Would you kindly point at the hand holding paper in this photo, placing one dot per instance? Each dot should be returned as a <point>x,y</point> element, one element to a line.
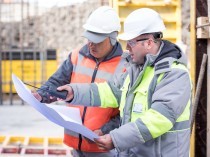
<point>67,117</point>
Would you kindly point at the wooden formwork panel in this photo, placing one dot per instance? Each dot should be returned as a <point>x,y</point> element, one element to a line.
<point>170,11</point>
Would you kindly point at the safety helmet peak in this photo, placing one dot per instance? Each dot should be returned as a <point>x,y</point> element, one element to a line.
<point>142,21</point>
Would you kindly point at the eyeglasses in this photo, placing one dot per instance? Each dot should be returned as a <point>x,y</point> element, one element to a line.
<point>133,43</point>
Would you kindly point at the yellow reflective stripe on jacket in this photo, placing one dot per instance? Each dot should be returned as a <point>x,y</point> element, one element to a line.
<point>186,113</point>
<point>158,126</point>
<point>141,99</point>
<point>106,96</point>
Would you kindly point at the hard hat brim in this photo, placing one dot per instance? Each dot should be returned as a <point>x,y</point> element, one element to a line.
<point>127,36</point>
<point>94,37</point>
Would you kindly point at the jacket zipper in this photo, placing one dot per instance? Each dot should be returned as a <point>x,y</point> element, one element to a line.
<point>95,71</point>
<point>85,108</point>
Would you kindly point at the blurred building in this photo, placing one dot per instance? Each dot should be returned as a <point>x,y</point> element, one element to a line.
<point>59,27</point>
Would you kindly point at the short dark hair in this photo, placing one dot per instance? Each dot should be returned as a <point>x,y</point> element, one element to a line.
<point>157,35</point>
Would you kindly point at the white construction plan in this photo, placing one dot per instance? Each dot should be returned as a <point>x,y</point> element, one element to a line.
<point>67,117</point>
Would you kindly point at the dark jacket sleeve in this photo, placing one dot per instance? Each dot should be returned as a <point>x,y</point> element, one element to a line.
<point>59,78</point>
<point>111,125</point>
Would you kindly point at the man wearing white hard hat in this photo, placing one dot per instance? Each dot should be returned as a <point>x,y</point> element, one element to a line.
<point>97,61</point>
<point>154,95</point>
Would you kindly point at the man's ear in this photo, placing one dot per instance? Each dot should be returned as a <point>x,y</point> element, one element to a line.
<point>149,44</point>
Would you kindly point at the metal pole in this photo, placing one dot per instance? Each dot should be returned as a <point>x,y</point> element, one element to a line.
<point>208,95</point>
<point>1,92</point>
<point>42,60</point>
<point>208,103</point>
<point>10,52</point>
<point>21,41</point>
<point>35,41</point>
<point>21,46</point>
<point>198,89</point>
<point>41,49</point>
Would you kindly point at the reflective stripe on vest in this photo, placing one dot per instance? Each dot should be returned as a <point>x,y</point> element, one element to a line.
<point>141,95</point>
<point>95,117</point>
<point>84,68</point>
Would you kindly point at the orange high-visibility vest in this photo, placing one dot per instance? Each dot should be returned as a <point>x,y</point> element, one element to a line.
<point>84,71</point>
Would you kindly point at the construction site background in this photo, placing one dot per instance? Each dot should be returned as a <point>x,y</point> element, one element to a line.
<point>59,27</point>
<point>24,25</point>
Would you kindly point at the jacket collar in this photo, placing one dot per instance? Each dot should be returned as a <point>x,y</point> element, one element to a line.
<point>167,50</point>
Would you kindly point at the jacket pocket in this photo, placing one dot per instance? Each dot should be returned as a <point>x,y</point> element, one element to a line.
<point>139,103</point>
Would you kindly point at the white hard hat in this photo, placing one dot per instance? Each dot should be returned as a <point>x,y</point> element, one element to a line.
<point>142,21</point>
<point>103,20</point>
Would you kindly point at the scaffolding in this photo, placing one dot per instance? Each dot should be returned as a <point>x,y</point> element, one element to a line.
<point>15,17</point>
<point>25,25</point>
<point>23,50</point>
